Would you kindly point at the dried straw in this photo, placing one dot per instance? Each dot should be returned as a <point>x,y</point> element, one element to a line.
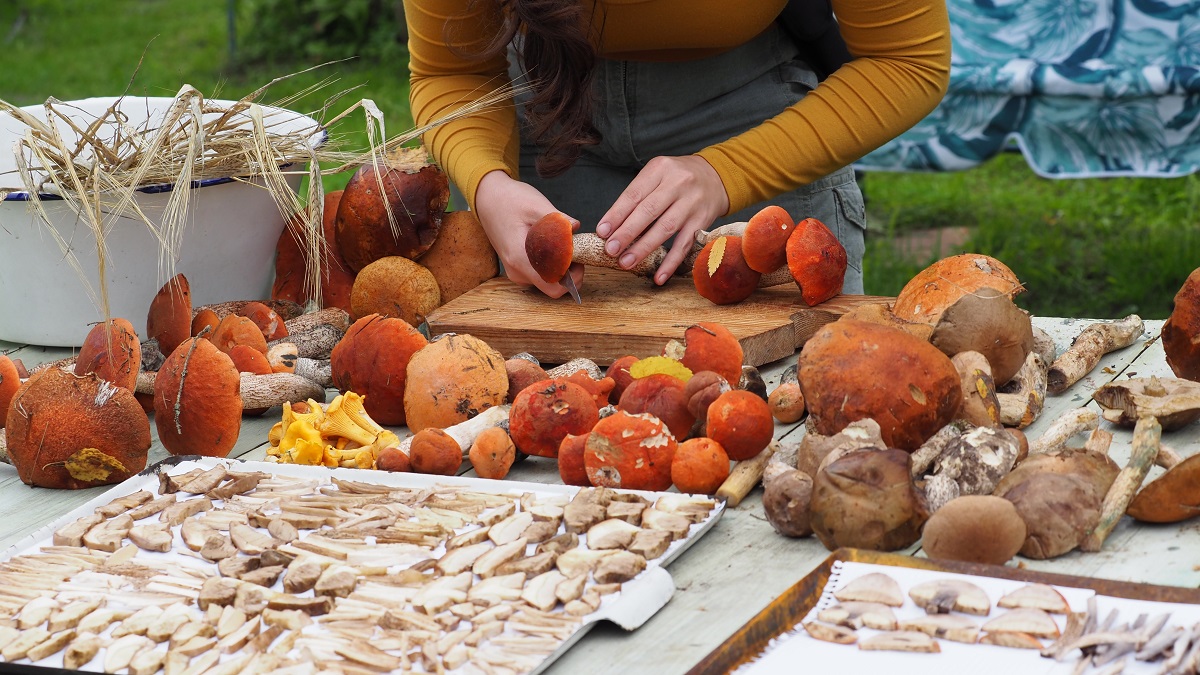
<point>99,166</point>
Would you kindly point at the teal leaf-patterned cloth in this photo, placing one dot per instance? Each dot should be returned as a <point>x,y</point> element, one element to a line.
<point>1083,87</point>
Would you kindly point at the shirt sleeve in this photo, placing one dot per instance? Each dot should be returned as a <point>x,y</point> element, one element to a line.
<point>899,73</point>
<point>444,77</point>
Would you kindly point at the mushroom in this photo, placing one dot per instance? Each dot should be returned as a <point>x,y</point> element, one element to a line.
<point>549,246</point>
<point>1170,498</point>
<point>523,372</point>
<point>817,261</point>
<point>610,534</point>
<point>953,627</point>
<point>721,274</point>
<point>1175,402</point>
<point>452,379</point>
<point>269,323</point>
<point>630,451</point>
<point>238,330</point>
<point>816,451</point>
<point>765,239</point>
<point>461,257</point>
<point>72,432</point>
<point>433,451</point>
<point>1028,620</point>
<point>839,371</point>
<point>372,360</point>
<point>856,614</point>
<point>10,381</point>
<point>1039,596</point>
<point>741,423</point>
<point>1092,343</point>
<point>701,390</point>
<point>1116,501</point>
<point>169,320</point>
<point>111,350</point>
<point>827,633</point>
<point>571,467</point>
<point>295,260</point>
<point>395,286</point>
<point>900,641</point>
<point>618,370</point>
<point>866,499</point>
<point>546,412</point>
<point>980,407</point>
<point>1023,397</point>
<point>939,285</point>
<point>700,466</point>
<point>872,587</point>
<point>1181,331</point>
<point>986,321</point>
<point>978,459</point>
<point>198,401</point>
<point>392,209</point>
<point>942,596</point>
<point>493,453</point>
<point>1058,509</point>
<point>786,500</point>
<point>974,528</point>
<point>663,396</point>
<point>711,346</point>
<point>786,400</point>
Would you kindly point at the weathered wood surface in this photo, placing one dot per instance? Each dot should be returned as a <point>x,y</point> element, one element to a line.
<point>740,565</point>
<point>624,314</point>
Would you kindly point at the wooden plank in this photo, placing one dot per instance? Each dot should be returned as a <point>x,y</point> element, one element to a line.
<point>622,314</point>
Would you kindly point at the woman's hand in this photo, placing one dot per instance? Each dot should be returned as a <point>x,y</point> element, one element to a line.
<point>670,196</point>
<point>506,209</point>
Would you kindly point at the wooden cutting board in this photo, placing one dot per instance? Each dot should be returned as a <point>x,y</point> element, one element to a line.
<point>623,314</point>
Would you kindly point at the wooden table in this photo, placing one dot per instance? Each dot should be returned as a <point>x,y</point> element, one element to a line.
<point>739,566</point>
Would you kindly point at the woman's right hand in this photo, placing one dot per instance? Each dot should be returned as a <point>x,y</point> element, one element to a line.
<point>506,209</point>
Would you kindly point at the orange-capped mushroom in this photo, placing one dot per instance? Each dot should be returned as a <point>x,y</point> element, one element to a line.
<point>434,451</point>
<point>452,379</point>
<point>618,370</point>
<point>10,381</point>
<point>662,396</point>
<point>932,290</point>
<point>268,321</point>
<point>112,351</point>
<point>817,261</point>
<point>416,195</point>
<point>549,245</point>
<point>741,422</point>
<point>721,274</point>
<point>372,360</point>
<point>546,412</point>
<point>711,346</point>
<point>700,466</point>
<point>632,452</point>
<point>170,317</point>
<point>764,241</point>
<point>198,400</point>
<point>1181,332</point>
<point>571,467</point>
<point>522,373</point>
<point>205,318</point>
<point>493,453</point>
<point>238,330</point>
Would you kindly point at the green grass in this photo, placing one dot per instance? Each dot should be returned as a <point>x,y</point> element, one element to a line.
<point>1097,248</point>
<point>69,49</point>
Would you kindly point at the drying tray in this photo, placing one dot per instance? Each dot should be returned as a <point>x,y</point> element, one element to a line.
<point>780,620</point>
<point>637,600</point>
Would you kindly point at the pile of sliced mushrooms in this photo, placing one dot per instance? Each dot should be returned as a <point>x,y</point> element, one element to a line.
<point>224,571</point>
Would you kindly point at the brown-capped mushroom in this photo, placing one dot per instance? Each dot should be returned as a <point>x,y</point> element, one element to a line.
<point>987,322</point>
<point>461,257</point>
<point>939,285</point>
<point>974,528</point>
<point>866,499</point>
<point>372,360</point>
<point>395,286</point>
<point>721,274</point>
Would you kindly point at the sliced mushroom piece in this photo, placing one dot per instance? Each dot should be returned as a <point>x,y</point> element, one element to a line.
<point>942,596</point>
<point>152,537</point>
<point>72,534</point>
<point>301,575</point>
<point>180,512</point>
<point>195,533</point>
<point>231,619</point>
<point>568,541</point>
<point>579,517</point>
<point>217,547</point>
<point>122,504</point>
<point>630,512</point>
<point>618,568</point>
<point>651,544</point>
<point>828,633</point>
<point>169,621</point>
<point>580,561</point>
<point>858,614</point>
<point>147,662</point>
<point>152,507</point>
<point>695,509</point>
<point>486,564</point>
<point>314,606</point>
<point>900,641</point>
<point>678,525</point>
<point>611,533</point>
<point>1038,596</point>
<point>139,622</point>
<point>468,538</point>
<point>1175,402</point>
<point>531,566</point>
<point>36,611</point>
<point>546,512</point>
<point>1014,640</point>
<point>219,591</point>
<point>282,530</point>
<point>120,652</point>
<point>953,627</point>
<point>236,566</point>
<point>366,654</point>
<point>28,639</point>
<point>337,581</point>
<point>1029,620</point>
<point>511,528</point>
<point>872,587</point>
<point>571,588</point>
<point>82,650</point>
<point>264,576</point>
<point>69,615</point>
<point>250,540</point>
<point>206,480</point>
<point>540,592</point>
<point>497,589</point>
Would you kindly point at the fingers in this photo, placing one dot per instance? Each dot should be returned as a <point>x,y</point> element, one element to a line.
<point>639,205</point>
<point>680,249</point>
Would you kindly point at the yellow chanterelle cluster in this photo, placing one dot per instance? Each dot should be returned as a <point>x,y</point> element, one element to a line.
<point>338,434</point>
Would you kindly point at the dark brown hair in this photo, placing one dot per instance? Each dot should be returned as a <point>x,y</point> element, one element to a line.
<point>558,58</point>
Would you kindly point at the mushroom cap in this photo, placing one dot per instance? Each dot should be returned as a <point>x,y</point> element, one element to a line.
<point>415,197</point>
<point>1098,470</point>
<point>618,370</point>
<point>986,321</point>
<point>786,499</point>
<point>1181,331</point>
<point>69,431</point>
<point>10,381</point>
<point>721,274</point>
<point>395,286</point>
<point>699,466</point>
<point>493,453</point>
<point>817,261</point>
<point>521,374</point>
<point>627,451</point>
<point>852,370</point>
<point>112,351</point>
<point>701,390</point>
<point>764,241</point>
<point>549,246</point>
<point>1170,498</point>
<point>198,401</point>
<point>866,499</point>
<point>291,261</point>
<point>933,289</point>
<point>546,412</point>
<point>1125,401</point>
<point>461,257</point>
<point>1059,509</point>
<point>205,318</point>
<point>571,467</point>
<point>974,528</point>
<point>741,422</point>
<point>269,323</point>
<point>711,346</point>
<point>170,317</point>
<point>434,451</point>
<point>372,360</point>
<point>454,378</point>
<point>663,396</point>
<point>238,330</point>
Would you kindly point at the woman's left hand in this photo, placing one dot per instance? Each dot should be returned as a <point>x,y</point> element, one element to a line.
<point>671,196</point>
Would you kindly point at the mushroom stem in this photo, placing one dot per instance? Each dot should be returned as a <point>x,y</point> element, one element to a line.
<point>330,316</point>
<point>574,365</point>
<point>1092,343</point>
<point>258,391</point>
<point>317,370</point>
<point>314,343</point>
<point>1022,398</point>
<point>1167,456</point>
<point>745,475</point>
<point>779,277</point>
<point>1067,425</point>
<point>1146,436</point>
<point>284,308</point>
<point>588,249</point>
<point>4,448</point>
<point>465,433</point>
<point>1044,345</point>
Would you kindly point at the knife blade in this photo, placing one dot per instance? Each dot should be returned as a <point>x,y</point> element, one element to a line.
<point>569,284</point>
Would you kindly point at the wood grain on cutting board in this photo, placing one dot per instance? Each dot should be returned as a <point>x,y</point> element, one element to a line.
<point>624,314</point>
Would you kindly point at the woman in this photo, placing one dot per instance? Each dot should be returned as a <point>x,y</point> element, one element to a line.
<point>647,119</point>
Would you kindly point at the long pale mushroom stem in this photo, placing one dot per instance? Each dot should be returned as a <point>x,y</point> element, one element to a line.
<point>1146,435</point>
<point>1086,351</point>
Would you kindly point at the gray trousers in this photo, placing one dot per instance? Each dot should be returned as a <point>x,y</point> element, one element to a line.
<point>645,109</point>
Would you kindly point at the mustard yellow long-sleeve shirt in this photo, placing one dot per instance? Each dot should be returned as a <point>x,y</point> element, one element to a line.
<point>899,74</point>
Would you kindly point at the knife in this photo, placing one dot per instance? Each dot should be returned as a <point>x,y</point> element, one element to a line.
<point>569,284</point>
